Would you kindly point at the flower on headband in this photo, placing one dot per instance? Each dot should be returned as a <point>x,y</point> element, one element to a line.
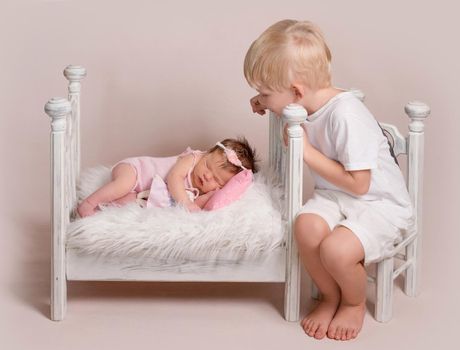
<point>231,156</point>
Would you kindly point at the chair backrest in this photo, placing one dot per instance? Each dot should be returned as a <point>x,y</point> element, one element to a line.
<point>413,146</point>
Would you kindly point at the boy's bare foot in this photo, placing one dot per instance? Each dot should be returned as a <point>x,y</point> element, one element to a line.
<point>316,323</point>
<point>347,322</point>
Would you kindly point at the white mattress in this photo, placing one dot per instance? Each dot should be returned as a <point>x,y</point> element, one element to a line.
<point>248,228</point>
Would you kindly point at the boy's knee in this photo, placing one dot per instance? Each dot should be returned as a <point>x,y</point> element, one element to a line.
<point>334,255</point>
<point>310,229</point>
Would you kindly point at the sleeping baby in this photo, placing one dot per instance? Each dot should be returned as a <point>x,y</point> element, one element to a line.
<point>189,179</point>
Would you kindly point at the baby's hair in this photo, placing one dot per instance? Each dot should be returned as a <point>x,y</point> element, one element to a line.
<point>246,154</point>
<point>288,51</point>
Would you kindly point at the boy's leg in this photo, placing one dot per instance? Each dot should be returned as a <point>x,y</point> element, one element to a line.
<point>310,231</point>
<point>342,254</point>
<point>123,181</point>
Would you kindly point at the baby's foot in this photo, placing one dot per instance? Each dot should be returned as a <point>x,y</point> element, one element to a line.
<point>316,323</point>
<point>347,322</point>
<point>86,209</point>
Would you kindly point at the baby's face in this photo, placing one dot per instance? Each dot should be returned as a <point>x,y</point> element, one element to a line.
<point>208,175</point>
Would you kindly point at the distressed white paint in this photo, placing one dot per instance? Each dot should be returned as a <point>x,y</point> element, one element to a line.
<point>91,268</point>
<point>417,112</point>
<point>74,75</point>
<point>58,109</point>
<point>399,141</point>
<point>411,260</point>
<point>293,115</point>
<point>384,299</point>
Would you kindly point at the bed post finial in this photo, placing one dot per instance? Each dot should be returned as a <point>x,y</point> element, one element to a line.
<point>294,115</point>
<point>417,112</point>
<point>74,75</point>
<point>58,109</point>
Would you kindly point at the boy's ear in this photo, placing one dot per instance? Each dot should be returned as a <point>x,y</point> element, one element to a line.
<point>298,90</point>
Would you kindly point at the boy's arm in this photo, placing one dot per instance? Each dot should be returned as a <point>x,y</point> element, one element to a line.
<point>175,181</point>
<point>356,182</point>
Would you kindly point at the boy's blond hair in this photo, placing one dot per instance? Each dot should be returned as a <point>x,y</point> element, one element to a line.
<point>289,51</point>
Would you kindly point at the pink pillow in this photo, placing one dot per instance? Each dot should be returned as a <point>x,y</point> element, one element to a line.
<point>232,191</point>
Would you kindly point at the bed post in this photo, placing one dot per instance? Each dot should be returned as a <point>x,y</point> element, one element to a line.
<point>276,148</point>
<point>417,112</point>
<point>58,109</point>
<point>74,74</point>
<point>294,115</point>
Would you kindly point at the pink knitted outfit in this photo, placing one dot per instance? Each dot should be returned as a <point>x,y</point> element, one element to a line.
<point>151,173</point>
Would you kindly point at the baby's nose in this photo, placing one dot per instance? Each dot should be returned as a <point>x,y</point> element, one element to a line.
<point>207,176</point>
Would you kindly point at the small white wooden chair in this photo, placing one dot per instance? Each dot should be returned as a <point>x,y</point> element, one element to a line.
<point>406,256</point>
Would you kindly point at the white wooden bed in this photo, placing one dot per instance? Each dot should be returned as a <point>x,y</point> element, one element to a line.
<point>282,265</point>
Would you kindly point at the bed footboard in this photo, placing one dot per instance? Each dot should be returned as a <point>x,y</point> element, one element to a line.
<point>58,109</point>
<point>287,163</point>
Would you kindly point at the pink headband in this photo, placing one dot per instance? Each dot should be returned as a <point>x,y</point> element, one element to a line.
<point>231,156</point>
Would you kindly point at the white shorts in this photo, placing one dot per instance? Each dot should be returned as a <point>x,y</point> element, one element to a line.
<point>376,234</point>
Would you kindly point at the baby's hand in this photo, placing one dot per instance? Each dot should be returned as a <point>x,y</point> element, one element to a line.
<point>256,106</point>
<point>192,207</point>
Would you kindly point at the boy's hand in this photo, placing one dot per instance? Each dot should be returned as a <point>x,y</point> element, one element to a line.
<point>256,106</point>
<point>285,135</point>
<point>306,142</point>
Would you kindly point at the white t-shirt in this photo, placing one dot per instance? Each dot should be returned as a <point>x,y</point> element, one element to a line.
<point>344,130</point>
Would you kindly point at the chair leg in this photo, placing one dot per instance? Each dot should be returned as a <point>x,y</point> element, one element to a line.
<point>412,277</point>
<point>384,288</point>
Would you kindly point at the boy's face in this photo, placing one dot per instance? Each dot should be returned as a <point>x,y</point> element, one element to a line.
<point>275,101</point>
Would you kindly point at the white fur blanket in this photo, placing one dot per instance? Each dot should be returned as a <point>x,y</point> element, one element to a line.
<point>246,228</point>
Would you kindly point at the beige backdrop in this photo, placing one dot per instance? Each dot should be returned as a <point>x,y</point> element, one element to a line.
<point>166,74</point>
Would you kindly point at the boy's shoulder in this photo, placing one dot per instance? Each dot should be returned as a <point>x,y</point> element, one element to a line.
<point>347,102</point>
<point>345,105</point>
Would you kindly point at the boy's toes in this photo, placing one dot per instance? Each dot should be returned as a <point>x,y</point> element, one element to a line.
<point>344,334</point>
<point>350,333</point>
<point>320,333</point>
<point>338,333</point>
<point>312,329</point>
<point>354,333</point>
<point>331,332</point>
<point>305,324</point>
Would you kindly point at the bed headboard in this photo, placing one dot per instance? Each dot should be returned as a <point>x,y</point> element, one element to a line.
<point>65,141</point>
